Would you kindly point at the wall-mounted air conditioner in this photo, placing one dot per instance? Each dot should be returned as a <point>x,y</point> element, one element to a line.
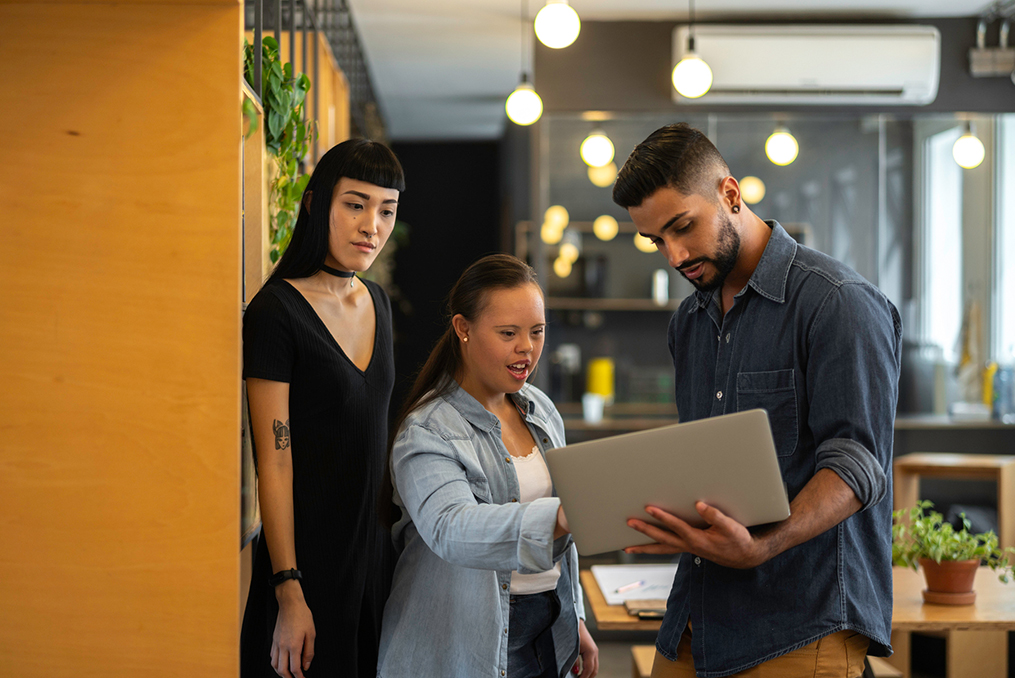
<point>816,64</point>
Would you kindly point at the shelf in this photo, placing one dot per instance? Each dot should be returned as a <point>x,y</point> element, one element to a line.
<point>621,425</point>
<point>593,304</point>
<point>916,422</point>
<point>580,226</point>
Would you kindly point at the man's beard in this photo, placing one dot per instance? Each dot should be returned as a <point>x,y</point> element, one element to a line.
<point>724,260</point>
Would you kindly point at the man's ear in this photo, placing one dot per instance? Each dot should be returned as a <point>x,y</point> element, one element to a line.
<point>306,200</point>
<point>729,188</point>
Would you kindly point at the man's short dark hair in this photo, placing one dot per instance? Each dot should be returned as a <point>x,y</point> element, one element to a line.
<point>677,156</point>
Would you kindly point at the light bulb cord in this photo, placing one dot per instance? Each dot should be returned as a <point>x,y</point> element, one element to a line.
<point>690,30</point>
<point>524,23</point>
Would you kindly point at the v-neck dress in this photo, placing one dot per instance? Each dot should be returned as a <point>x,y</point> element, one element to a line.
<point>338,426</point>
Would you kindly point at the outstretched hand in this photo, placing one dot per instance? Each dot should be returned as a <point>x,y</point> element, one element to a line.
<point>724,542</point>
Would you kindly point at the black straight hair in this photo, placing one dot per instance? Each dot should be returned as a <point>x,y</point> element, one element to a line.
<point>678,156</point>
<point>361,159</point>
<point>468,297</point>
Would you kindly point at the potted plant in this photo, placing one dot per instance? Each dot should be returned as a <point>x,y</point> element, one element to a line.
<point>949,557</point>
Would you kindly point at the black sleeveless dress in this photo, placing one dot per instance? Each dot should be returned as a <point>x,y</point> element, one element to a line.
<point>338,425</point>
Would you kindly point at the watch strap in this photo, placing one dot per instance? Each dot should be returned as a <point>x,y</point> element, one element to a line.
<point>284,575</point>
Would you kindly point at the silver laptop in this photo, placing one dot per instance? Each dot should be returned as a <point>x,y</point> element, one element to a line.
<point>728,462</point>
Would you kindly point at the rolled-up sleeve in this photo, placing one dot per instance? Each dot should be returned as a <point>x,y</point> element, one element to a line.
<point>434,487</point>
<point>854,354</point>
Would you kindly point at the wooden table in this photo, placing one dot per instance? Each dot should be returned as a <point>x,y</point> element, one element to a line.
<point>977,635</point>
<point>611,617</point>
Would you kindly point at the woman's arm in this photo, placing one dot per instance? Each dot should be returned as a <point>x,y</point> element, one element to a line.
<point>292,647</point>
<point>435,490</point>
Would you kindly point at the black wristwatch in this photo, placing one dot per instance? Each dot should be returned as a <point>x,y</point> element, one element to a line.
<point>284,575</point>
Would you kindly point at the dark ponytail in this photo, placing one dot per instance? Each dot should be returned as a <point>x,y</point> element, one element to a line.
<point>468,298</point>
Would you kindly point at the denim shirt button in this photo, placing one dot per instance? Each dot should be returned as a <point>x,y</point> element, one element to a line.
<point>503,586</point>
<point>546,441</point>
<point>719,395</point>
<point>727,338</point>
<point>697,561</point>
<point>507,459</point>
<point>513,500</point>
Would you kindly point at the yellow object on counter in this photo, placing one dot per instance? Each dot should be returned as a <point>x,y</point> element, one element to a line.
<point>600,378</point>
<point>988,384</point>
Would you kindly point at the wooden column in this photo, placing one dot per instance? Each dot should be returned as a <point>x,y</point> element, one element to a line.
<point>120,328</point>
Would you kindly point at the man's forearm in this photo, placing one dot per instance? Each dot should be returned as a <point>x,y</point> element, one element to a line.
<point>824,502</point>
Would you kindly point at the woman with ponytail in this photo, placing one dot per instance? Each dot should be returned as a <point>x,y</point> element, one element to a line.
<point>486,582</point>
<point>317,359</point>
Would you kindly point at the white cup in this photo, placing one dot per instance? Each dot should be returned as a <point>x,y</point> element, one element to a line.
<point>592,407</point>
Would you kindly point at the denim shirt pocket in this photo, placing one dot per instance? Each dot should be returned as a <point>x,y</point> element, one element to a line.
<point>775,392</point>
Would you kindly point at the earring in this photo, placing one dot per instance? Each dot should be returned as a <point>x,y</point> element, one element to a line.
<point>465,339</point>
<point>736,209</point>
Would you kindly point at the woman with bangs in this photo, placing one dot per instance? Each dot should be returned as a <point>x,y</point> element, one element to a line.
<point>318,364</point>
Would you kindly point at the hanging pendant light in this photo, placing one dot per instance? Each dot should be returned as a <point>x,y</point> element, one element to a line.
<point>605,227</point>
<point>557,25</point>
<point>968,150</point>
<point>752,189</point>
<point>597,149</point>
<point>523,106</point>
<point>603,176</point>
<point>781,147</point>
<point>692,77</point>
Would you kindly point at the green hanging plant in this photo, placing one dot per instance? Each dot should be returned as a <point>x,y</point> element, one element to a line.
<point>287,137</point>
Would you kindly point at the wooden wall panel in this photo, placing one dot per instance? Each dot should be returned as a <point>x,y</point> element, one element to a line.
<point>256,241</point>
<point>120,326</point>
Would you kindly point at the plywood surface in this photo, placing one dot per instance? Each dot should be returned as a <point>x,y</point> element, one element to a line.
<point>119,477</point>
<point>611,617</point>
<point>994,609</point>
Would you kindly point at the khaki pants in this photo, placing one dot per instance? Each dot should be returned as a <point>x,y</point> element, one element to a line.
<point>839,655</point>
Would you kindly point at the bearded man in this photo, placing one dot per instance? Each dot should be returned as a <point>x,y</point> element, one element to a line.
<point>775,325</point>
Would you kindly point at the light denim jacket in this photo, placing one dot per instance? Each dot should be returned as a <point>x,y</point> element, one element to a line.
<point>461,534</point>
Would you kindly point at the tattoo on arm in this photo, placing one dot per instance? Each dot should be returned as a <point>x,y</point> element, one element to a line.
<point>281,434</point>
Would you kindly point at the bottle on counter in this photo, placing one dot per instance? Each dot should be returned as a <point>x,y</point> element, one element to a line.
<point>1004,395</point>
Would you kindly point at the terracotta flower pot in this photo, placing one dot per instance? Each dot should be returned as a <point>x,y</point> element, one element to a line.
<point>949,582</point>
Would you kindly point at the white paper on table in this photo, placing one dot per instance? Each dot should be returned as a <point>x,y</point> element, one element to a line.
<point>658,580</point>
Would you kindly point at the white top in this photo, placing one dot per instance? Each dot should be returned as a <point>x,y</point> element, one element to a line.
<point>534,483</point>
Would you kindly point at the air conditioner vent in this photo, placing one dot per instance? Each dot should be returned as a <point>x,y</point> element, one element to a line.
<point>816,65</point>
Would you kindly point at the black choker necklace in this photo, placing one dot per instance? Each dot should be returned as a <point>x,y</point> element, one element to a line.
<point>335,271</point>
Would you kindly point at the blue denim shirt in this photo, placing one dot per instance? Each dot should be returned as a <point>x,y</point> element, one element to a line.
<point>461,534</point>
<point>819,348</point>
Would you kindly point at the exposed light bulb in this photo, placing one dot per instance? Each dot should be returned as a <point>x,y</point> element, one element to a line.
<point>556,215</point>
<point>603,176</point>
<point>562,267</point>
<point>643,243</point>
<point>597,149</point>
<point>781,147</point>
<point>569,251</point>
<point>692,77</point>
<point>968,150</point>
<point>551,233</point>
<point>557,24</point>
<point>752,190</point>
<point>605,227</point>
<point>524,106</point>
